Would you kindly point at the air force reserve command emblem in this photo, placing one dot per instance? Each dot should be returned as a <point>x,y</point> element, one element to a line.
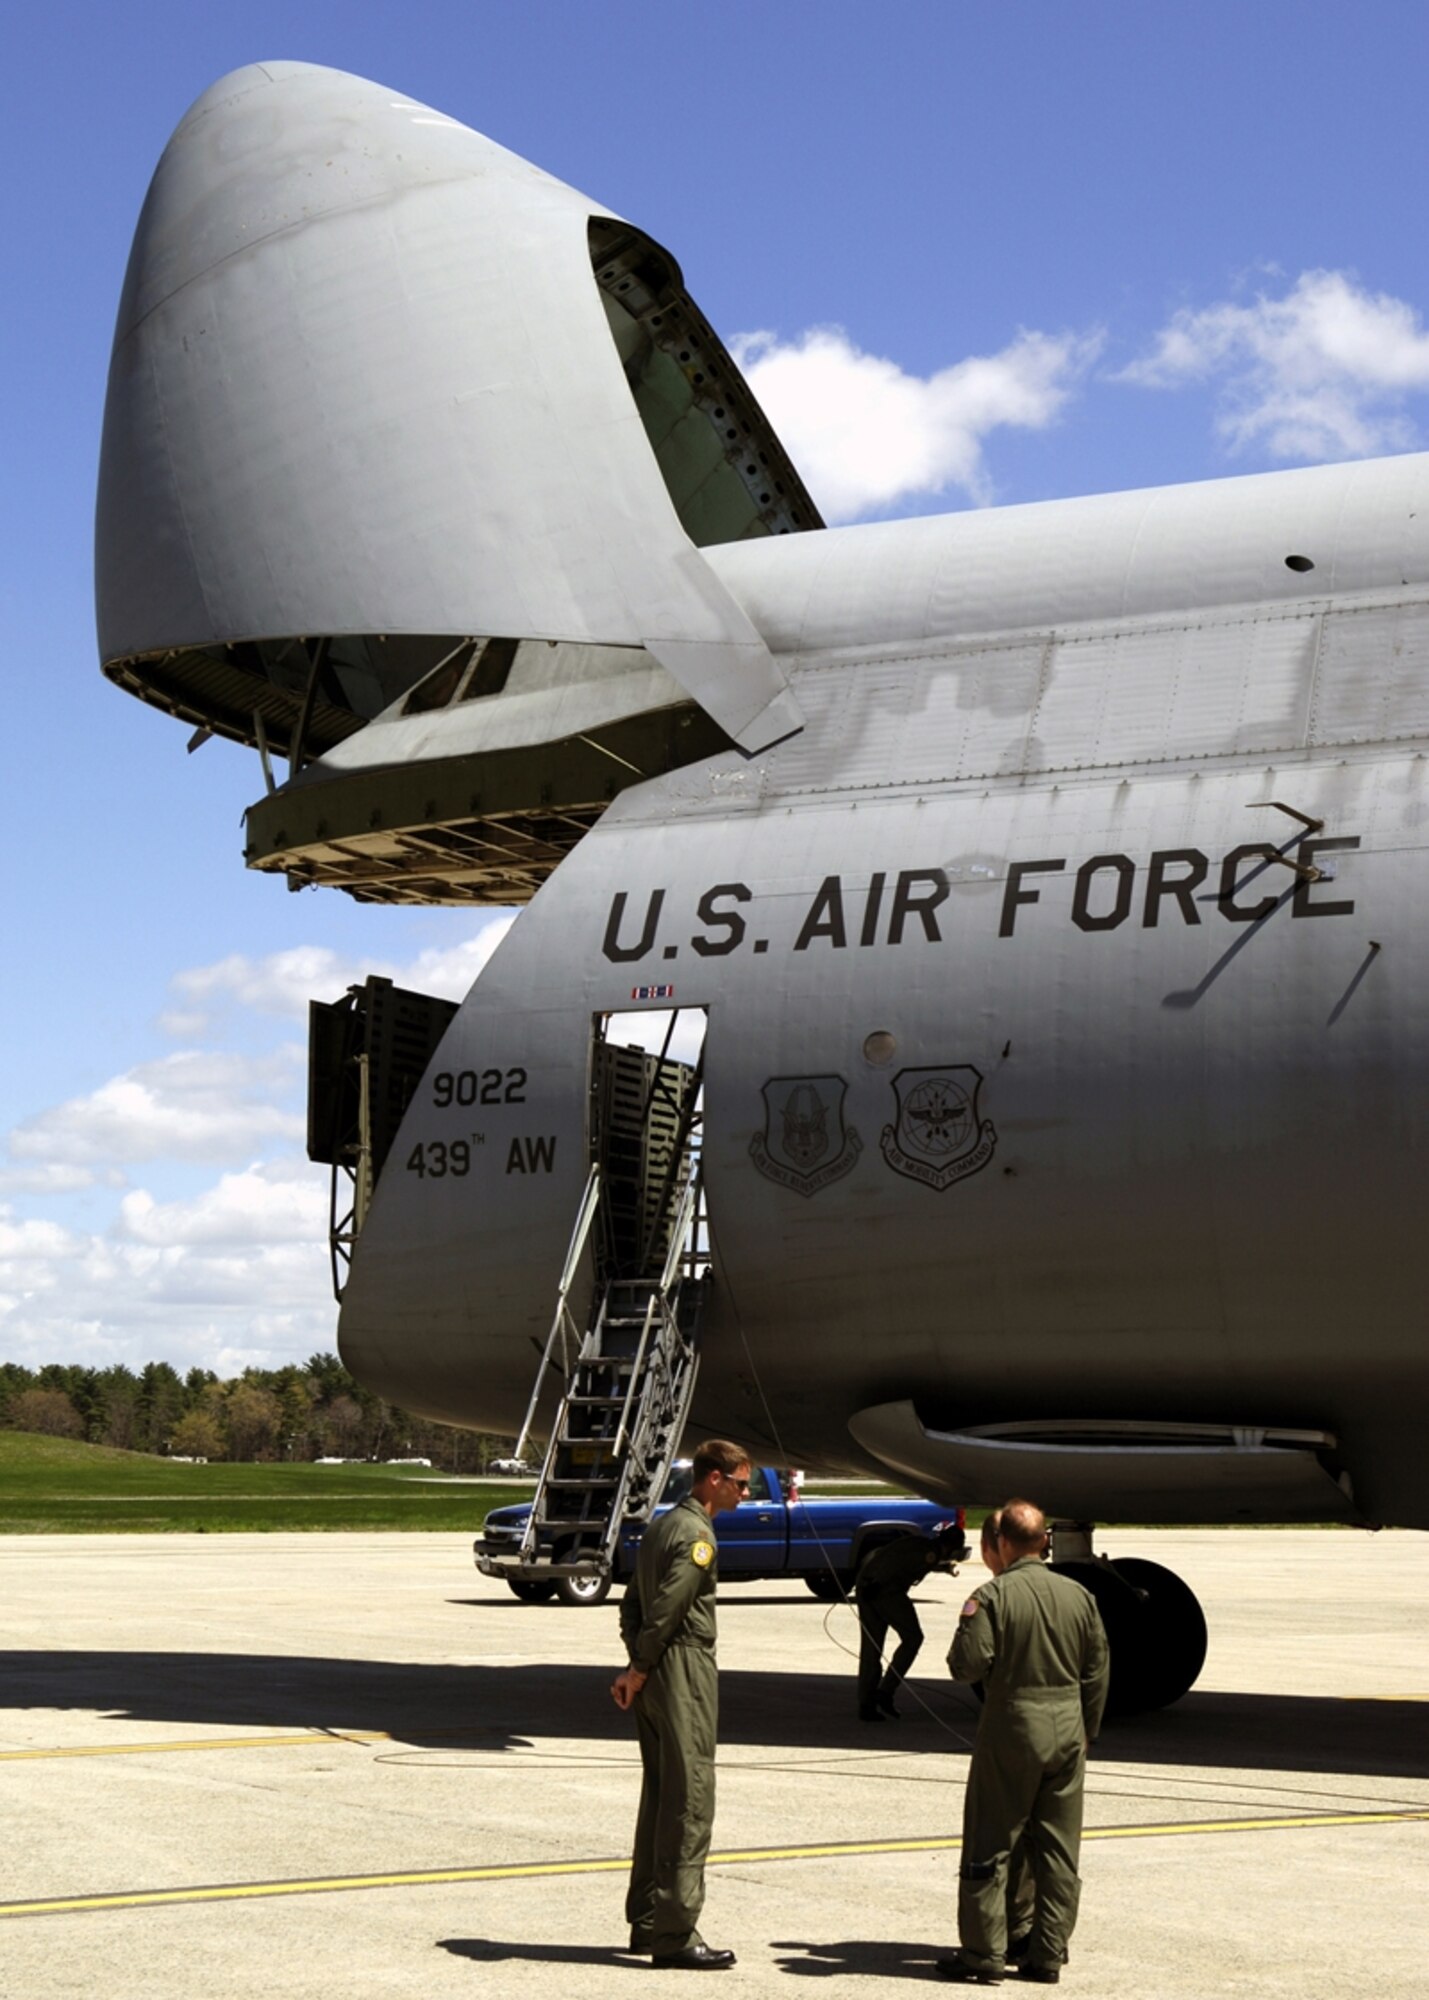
<point>805,1144</point>
<point>938,1137</point>
<point>702,1554</point>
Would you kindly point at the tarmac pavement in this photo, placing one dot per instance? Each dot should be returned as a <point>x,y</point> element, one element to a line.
<point>247,1765</point>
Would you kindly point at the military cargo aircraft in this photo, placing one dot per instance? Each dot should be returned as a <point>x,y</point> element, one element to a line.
<point>1029,901</point>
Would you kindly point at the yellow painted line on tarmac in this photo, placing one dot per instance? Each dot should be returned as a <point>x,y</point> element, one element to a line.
<point>199,1743</point>
<point>517,1871</point>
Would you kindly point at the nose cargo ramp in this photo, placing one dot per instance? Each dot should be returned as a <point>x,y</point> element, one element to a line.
<point>622,1385</point>
<point>381,391</point>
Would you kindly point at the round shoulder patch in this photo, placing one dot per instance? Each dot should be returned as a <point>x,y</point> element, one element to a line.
<point>970,1609</point>
<point>702,1553</point>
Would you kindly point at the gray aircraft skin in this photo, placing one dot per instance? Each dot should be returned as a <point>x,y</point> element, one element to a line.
<point>1053,884</point>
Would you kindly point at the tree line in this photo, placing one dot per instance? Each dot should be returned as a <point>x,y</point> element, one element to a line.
<point>301,1412</point>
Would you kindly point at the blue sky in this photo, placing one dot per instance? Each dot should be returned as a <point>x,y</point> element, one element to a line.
<point>970,254</point>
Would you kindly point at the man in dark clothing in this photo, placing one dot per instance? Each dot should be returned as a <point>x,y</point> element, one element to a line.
<point>885,1577</point>
<point>667,1621</point>
<point>1035,1641</point>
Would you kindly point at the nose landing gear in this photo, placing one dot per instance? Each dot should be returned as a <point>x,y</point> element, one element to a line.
<point>1155,1627</point>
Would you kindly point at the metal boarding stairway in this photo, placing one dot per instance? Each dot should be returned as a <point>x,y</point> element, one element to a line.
<point>628,1382</point>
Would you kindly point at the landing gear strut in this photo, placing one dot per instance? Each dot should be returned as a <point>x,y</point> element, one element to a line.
<point>1154,1626</point>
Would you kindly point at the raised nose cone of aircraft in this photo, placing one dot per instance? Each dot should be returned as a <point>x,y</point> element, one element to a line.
<point>277,146</point>
<point>323,368</point>
<point>368,380</point>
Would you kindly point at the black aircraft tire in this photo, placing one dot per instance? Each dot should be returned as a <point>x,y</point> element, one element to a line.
<point>530,1593</point>
<point>1155,1629</point>
<point>1173,1635</point>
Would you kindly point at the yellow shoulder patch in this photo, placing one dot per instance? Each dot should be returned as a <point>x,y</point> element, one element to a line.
<point>702,1553</point>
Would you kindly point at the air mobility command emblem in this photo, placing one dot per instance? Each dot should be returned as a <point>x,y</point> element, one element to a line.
<point>938,1137</point>
<point>702,1553</point>
<point>805,1144</point>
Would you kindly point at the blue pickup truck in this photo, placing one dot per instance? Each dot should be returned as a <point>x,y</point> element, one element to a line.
<point>767,1535</point>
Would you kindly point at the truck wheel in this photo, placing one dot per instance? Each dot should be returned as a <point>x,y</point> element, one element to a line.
<point>530,1593</point>
<point>578,1591</point>
<point>827,1585</point>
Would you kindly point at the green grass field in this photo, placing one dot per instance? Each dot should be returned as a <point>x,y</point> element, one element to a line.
<point>50,1486</point>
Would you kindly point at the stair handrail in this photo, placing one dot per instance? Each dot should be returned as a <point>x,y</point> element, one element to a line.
<point>680,1234</point>
<point>580,1236</point>
<point>634,1388</point>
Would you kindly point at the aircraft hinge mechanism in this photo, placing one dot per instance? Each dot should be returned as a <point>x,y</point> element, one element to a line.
<point>1305,870</point>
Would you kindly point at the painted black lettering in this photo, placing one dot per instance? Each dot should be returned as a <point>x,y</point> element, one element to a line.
<point>874,902</point>
<point>516,1159</point>
<point>1015,893</point>
<point>825,918</point>
<point>1242,913</point>
<point>906,904</point>
<point>621,954</point>
<point>1124,869</point>
<point>1180,886</point>
<point>541,1154</point>
<point>735,892</point>
<point>1303,903</point>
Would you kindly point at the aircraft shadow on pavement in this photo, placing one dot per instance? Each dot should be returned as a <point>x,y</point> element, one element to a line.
<point>504,1706</point>
<point>1268,1732</point>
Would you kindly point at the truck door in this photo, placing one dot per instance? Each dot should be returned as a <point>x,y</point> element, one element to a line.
<point>753,1535</point>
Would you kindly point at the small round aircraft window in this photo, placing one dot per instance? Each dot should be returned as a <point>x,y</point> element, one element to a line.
<point>878,1048</point>
<point>1300,564</point>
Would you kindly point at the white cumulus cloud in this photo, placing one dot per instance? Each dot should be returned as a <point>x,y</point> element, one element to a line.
<point>866,435</point>
<point>280,1201</point>
<point>193,1105</point>
<point>283,982</point>
<point>235,1276</point>
<point>54,1177</point>
<point>1321,372</point>
<point>238,1272</point>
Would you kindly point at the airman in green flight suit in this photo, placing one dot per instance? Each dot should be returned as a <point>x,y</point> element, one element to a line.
<point>667,1621</point>
<point>1035,1641</point>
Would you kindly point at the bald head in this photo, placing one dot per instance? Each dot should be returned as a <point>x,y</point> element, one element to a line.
<point>1022,1529</point>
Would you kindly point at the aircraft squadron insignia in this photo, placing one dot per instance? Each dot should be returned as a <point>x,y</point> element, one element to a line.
<point>805,1144</point>
<point>702,1553</point>
<point>938,1137</point>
